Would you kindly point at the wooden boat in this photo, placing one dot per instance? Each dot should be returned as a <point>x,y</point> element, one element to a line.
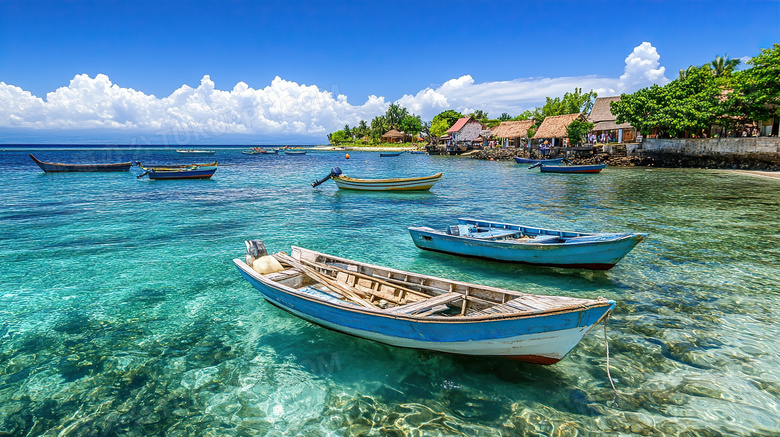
<point>418,152</point>
<point>387,155</point>
<point>537,161</point>
<point>419,311</point>
<point>259,151</point>
<point>52,167</point>
<point>175,166</point>
<point>528,245</point>
<point>202,152</point>
<point>194,171</point>
<point>294,152</point>
<point>594,168</point>
<point>396,184</point>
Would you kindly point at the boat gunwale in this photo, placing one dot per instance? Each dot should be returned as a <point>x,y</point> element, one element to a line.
<point>580,234</point>
<point>583,305</point>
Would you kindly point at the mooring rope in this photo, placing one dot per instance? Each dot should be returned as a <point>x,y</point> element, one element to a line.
<point>606,343</point>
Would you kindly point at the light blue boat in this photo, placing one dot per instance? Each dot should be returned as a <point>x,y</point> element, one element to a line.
<point>418,311</point>
<point>528,245</point>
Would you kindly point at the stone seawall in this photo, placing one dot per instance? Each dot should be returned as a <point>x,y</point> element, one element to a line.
<point>752,153</point>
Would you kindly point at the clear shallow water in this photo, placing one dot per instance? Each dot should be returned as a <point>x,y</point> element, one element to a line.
<point>121,312</point>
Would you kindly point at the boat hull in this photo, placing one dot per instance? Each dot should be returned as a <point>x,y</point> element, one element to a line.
<point>51,167</point>
<point>295,152</point>
<point>199,173</point>
<point>586,251</point>
<point>387,155</point>
<point>540,339</point>
<point>537,161</point>
<point>400,184</point>
<point>544,168</point>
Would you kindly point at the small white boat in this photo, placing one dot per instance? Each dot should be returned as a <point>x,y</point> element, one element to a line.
<point>196,151</point>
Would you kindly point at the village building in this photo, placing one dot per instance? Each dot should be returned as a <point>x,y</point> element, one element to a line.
<point>465,131</point>
<point>553,130</point>
<point>605,125</point>
<point>394,136</point>
<point>513,133</point>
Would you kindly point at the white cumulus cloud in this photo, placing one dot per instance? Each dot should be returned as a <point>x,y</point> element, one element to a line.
<point>283,109</point>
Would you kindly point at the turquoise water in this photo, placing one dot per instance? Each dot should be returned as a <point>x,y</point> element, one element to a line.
<point>121,312</point>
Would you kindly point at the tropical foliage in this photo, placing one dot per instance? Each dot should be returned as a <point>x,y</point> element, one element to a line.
<point>713,94</point>
<point>577,130</point>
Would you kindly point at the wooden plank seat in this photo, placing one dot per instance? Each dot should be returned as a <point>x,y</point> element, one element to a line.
<point>508,307</point>
<point>426,304</point>
<point>276,276</point>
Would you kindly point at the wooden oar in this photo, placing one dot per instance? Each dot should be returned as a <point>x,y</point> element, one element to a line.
<point>319,277</point>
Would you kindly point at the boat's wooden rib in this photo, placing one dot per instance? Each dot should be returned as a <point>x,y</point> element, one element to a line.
<point>420,311</point>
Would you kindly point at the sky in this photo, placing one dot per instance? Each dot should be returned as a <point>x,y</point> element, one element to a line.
<point>290,72</point>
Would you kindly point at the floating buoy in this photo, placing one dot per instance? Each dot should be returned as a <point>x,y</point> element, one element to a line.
<point>491,159</point>
<point>347,156</point>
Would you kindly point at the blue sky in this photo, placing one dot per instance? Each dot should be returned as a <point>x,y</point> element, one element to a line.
<point>274,71</point>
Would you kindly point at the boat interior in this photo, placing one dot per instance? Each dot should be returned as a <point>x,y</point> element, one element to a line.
<point>402,293</point>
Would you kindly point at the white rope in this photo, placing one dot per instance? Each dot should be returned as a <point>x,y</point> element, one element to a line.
<point>606,343</point>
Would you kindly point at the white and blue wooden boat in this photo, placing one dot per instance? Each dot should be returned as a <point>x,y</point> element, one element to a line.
<point>537,161</point>
<point>419,311</point>
<point>528,245</point>
<point>593,168</point>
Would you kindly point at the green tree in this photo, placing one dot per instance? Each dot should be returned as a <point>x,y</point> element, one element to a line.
<point>479,115</point>
<point>378,127</point>
<point>339,137</point>
<point>394,115</point>
<point>449,116</point>
<point>439,127</point>
<point>347,132</point>
<point>723,66</point>
<point>576,131</point>
<point>504,117</point>
<point>757,92</point>
<point>411,124</point>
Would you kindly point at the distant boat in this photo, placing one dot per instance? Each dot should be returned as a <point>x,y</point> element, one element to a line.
<point>595,168</point>
<point>202,152</point>
<point>52,167</point>
<point>537,161</point>
<point>259,151</point>
<point>294,152</point>
<point>528,245</point>
<point>418,311</point>
<point>387,155</point>
<point>194,171</point>
<point>417,152</point>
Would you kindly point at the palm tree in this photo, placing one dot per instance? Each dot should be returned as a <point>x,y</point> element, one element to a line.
<point>724,65</point>
<point>687,71</point>
<point>395,113</point>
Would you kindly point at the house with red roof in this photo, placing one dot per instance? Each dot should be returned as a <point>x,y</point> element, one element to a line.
<point>464,132</point>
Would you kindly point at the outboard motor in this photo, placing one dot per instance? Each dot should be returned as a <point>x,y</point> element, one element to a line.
<point>334,172</point>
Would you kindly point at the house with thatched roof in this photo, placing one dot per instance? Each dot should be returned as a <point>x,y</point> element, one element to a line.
<point>553,128</point>
<point>604,122</point>
<point>394,136</point>
<point>514,133</point>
